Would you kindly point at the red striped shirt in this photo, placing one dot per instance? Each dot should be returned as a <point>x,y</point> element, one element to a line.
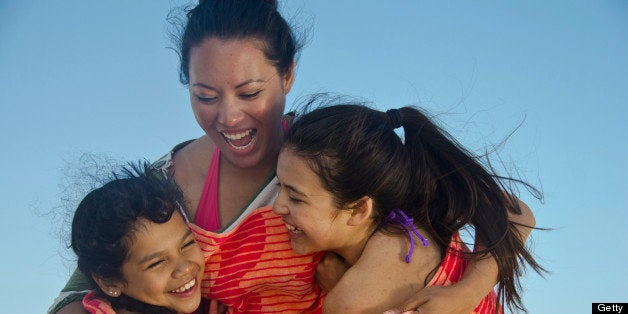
<point>253,269</point>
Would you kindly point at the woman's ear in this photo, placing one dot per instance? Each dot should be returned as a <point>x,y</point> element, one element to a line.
<point>111,288</point>
<point>288,79</point>
<point>361,211</point>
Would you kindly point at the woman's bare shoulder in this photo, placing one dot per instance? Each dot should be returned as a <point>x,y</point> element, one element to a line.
<point>195,156</point>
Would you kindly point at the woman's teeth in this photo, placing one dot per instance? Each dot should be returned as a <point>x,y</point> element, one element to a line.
<point>240,140</point>
<point>237,136</point>
<point>293,229</point>
<point>185,287</point>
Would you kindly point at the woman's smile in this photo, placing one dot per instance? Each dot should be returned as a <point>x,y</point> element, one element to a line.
<point>240,140</point>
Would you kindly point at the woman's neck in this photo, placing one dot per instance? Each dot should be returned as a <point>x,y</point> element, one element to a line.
<point>261,171</point>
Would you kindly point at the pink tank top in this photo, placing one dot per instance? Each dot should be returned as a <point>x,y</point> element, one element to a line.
<point>207,211</point>
<point>451,269</point>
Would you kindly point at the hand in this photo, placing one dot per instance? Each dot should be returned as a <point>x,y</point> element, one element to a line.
<point>437,299</point>
<point>216,307</point>
<point>329,271</point>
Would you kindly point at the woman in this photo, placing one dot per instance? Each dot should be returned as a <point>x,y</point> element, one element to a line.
<point>237,58</point>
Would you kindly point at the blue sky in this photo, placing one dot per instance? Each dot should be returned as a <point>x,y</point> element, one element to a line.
<point>97,77</point>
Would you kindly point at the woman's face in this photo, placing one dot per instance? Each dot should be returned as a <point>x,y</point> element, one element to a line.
<point>313,220</point>
<point>165,265</point>
<point>238,98</point>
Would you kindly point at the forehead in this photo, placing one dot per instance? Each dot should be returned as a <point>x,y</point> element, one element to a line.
<point>295,170</point>
<point>222,56</point>
<point>150,237</point>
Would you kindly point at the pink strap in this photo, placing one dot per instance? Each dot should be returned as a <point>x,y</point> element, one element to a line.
<point>207,212</point>
<point>451,270</point>
<point>95,305</point>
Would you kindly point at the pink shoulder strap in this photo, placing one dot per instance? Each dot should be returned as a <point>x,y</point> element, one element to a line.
<point>451,270</point>
<point>95,305</point>
<point>207,212</point>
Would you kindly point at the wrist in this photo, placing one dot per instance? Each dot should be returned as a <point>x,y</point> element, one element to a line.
<point>470,290</point>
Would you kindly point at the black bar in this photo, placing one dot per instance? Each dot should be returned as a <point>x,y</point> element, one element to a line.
<point>609,307</point>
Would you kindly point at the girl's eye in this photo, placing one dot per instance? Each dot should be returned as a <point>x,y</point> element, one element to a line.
<point>155,264</point>
<point>189,243</point>
<point>295,200</point>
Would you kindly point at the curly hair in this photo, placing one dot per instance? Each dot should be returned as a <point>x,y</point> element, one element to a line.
<point>106,221</point>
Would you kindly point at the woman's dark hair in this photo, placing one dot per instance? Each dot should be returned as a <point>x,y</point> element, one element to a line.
<point>238,19</point>
<point>432,178</point>
<point>106,220</point>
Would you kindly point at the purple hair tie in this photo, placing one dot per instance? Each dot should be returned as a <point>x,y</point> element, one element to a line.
<point>398,216</point>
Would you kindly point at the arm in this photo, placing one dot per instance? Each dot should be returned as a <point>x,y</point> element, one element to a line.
<point>381,278</point>
<point>215,307</point>
<point>329,271</point>
<point>69,300</point>
<point>477,281</point>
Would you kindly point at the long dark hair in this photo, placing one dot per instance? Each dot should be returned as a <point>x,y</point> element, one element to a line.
<point>106,220</point>
<point>442,186</point>
<point>238,19</point>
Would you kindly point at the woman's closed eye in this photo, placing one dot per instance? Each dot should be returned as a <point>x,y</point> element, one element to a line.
<point>251,94</point>
<point>205,100</point>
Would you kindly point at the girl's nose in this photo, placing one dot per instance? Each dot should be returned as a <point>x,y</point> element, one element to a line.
<point>279,207</point>
<point>184,268</point>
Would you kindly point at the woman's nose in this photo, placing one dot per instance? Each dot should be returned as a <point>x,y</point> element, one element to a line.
<point>230,113</point>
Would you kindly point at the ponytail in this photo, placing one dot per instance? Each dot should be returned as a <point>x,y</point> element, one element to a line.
<point>442,187</point>
<point>453,190</point>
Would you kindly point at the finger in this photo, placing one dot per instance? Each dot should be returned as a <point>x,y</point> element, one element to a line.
<point>415,301</point>
<point>222,309</point>
<point>213,307</point>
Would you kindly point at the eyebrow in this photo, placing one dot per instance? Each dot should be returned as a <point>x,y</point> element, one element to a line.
<point>295,190</point>
<point>237,86</point>
<point>157,254</point>
<point>250,81</point>
<point>203,85</point>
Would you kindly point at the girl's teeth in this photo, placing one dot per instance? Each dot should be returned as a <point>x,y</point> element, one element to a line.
<point>293,228</point>
<point>185,287</point>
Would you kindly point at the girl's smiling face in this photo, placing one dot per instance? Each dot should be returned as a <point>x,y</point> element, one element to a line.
<point>314,221</point>
<point>164,266</point>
